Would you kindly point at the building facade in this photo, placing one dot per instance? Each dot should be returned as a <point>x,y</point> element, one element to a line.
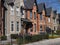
<point>36,17</point>
<point>13,16</point>
<point>13,11</point>
<point>41,17</point>
<point>55,21</point>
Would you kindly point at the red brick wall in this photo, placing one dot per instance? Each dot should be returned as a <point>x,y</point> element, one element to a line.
<point>36,21</point>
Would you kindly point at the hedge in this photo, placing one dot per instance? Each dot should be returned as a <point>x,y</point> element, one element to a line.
<point>58,32</point>
<point>29,39</point>
<point>3,37</point>
<point>14,36</point>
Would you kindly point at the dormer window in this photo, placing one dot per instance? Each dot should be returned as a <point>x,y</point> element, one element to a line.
<point>11,10</point>
<point>40,16</point>
<point>34,3</point>
<point>30,14</point>
<point>17,11</point>
<point>34,15</point>
<point>48,19</point>
<point>22,11</point>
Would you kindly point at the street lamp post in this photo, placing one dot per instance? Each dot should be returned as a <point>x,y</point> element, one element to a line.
<point>11,41</point>
<point>24,33</point>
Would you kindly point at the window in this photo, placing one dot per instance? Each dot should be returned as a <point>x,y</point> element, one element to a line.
<point>34,15</point>
<point>34,27</point>
<point>17,26</point>
<point>12,10</point>
<point>26,13</point>
<point>17,11</point>
<point>40,16</point>
<point>30,14</point>
<point>41,28</point>
<point>12,26</point>
<point>22,11</point>
<point>48,19</point>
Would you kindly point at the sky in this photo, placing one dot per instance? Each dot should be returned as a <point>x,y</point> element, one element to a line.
<point>55,4</point>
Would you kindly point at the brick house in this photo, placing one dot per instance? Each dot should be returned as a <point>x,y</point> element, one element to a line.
<point>58,21</point>
<point>49,15</point>
<point>36,14</point>
<point>41,17</point>
<point>51,19</point>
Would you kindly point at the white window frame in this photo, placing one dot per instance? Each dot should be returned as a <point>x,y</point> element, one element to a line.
<point>49,19</point>
<point>16,26</point>
<point>17,10</point>
<point>10,26</point>
<point>11,10</point>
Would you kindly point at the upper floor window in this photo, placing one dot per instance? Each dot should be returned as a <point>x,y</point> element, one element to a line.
<point>22,11</point>
<point>26,14</point>
<point>30,14</point>
<point>34,15</point>
<point>17,11</point>
<point>40,16</point>
<point>12,10</point>
<point>17,26</point>
<point>48,19</point>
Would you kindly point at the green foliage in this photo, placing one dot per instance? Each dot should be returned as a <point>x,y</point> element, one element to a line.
<point>39,37</point>
<point>14,36</point>
<point>34,38</point>
<point>20,40</point>
<point>8,44</point>
<point>3,37</point>
<point>58,32</point>
<point>28,39</point>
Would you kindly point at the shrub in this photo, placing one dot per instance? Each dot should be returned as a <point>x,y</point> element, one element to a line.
<point>58,32</point>
<point>34,38</point>
<point>28,39</point>
<point>8,44</point>
<point>20,40</point>
<point>39,37</point>
<point>14,36</point>
<point>3,37</point>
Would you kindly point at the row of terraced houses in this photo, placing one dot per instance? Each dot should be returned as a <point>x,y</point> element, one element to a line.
<point>15,16</point>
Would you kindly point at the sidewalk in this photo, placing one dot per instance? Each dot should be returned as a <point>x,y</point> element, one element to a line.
<point>47,42</point>
<point>8,41</point>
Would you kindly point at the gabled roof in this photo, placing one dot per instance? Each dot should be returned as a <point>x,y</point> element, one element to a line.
<point>48,11</point>
<point>29,4</point>
<point>41,7</point>
<point>55,13</point>
<point>9,1</point>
